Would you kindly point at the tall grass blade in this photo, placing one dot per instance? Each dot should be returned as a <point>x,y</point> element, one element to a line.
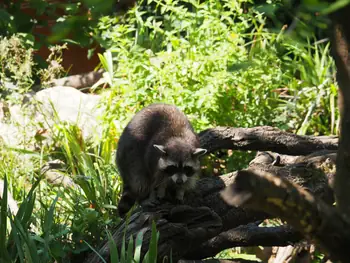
<point>98,254</point>
<point>123,250</point>
<point>31,251</point>
<point>112,248</point>
<point>138,245</point>
<point>26,208</point>
<point>3,223</point>
<point>18,243</point>
<point>129,256</point>
<point>153,246</point>
<point>20,222</point>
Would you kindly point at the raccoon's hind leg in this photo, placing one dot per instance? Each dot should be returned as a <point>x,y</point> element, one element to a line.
<point>161,190</point>
<point>126,201</point>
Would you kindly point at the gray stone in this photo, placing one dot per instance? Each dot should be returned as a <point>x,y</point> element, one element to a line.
<point>45,108</point>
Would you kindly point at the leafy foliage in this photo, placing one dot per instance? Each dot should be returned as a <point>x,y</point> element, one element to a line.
<point>221,62</point>
<point>74,18</point>
<point>221,65</point>
<point>206,62</point>
<point>16,63</point>
<point>18,70</point>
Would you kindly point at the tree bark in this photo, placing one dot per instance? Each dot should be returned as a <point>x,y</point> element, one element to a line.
<point>80,81</point>
<point>205,214</point>
<point>264,138</point>
<point>327,225</point>
<point>280,197</point>
<point>212,260</point>
<point>340,41</point>
<point>246,236</point>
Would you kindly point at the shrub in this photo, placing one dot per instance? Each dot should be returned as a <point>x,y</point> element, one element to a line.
<point>217,61</point>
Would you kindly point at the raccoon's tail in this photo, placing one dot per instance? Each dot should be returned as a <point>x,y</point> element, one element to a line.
<point>126,202</point>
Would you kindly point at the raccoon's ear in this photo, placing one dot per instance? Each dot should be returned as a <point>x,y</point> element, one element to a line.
<point>199,152</point>
<point>160,148</point>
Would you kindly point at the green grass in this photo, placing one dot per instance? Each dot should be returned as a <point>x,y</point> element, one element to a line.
<point>219,63</point>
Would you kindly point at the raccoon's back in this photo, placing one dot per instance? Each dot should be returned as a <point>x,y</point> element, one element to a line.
<point>154,124</point>
<point>161,120</point>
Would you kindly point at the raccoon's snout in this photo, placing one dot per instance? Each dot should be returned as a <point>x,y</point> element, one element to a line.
<point>179,179</point>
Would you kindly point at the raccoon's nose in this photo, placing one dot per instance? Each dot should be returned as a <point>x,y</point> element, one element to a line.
<point>179,181</point>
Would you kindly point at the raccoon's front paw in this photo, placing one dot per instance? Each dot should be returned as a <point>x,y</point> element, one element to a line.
<point>161,193</point>
<point>180,195</point>
<point>179,201</point>
<point>150,203</point>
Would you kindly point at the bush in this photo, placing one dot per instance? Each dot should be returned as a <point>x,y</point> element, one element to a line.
<point>220,65</point>
<point>217,61</point>
<point>16,64</point>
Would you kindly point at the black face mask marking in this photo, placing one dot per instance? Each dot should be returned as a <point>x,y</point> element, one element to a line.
<point>189,171</point>
<point>173,169</point>
<point>170,170</point>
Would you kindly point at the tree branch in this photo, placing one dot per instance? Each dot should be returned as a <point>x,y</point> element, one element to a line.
<point>246,236</point>
<point>214,260</point>
<point>264,138</point>
<point>205,214</point>
<point>319,156</point>
<point>79,81</point>
<point>263,191</point>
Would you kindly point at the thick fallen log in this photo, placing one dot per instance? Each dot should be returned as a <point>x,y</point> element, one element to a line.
<point>212,260</point>
<point>246,236</point>
<point>80,81</point>
<point>263,191</point>
<point>264,138</point>
<point>283,159</point>
<point>205,214</point>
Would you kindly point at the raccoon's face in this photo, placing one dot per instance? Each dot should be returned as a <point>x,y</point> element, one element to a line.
<point>180,166</point>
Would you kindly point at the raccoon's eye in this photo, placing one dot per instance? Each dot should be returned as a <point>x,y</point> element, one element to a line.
<point>188,170</point>
<point>172,169</point>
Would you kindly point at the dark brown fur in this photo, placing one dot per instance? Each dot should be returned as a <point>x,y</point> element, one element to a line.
<point>137,158</point>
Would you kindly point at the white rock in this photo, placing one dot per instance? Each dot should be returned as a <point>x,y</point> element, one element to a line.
<point>70,104</point>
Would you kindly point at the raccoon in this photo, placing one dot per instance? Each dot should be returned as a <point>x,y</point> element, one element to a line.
<point>158,149</point>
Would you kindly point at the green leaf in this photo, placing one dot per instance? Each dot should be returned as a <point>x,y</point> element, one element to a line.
<point>112,248</point>
<point>129,256</point>
<point>3,223</point>
<point>138,246</point>
<point>26,208</point>
<point>335,6</point>
<point>18,243</point>
<point>153,246</point>
<point>30,247</point>
<point>104,261</point>
<point>123,250</point>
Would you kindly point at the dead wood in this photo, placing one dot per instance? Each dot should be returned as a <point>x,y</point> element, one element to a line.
<point>263,191</point>
<point>301,253</point>
<point>264,138</point>
<point>340,41</point>
<point>284,159</point>
<point>246,236</point>
<point>53,172</point>
<point>205,214</point>
<point>214,260</point>
<point>80,81</point>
